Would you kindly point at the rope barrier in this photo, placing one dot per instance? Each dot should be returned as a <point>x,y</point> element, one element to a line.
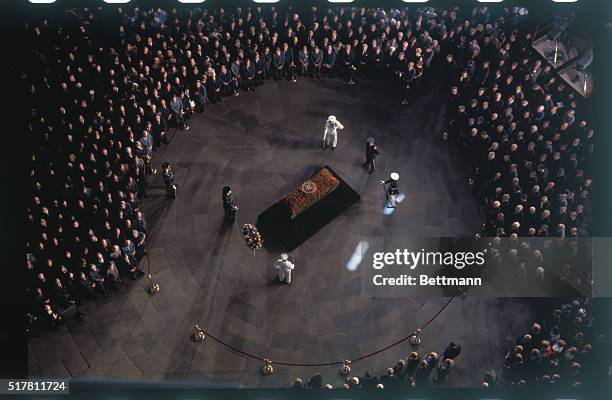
<point>326,364</point>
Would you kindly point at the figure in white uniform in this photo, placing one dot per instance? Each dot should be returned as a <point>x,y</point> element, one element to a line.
<point>331,132</point>
<point>392,190</point>
<point>284,268</point>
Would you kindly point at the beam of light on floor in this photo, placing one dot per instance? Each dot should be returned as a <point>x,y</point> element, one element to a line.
<point>389,210</point>
<point>357,257</point>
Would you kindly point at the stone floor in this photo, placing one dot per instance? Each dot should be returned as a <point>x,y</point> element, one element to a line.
<point>261,143</point>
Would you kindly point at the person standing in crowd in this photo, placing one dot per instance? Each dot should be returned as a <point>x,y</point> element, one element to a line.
<point>316,61</point>
<point>215,88</point>
<point>371,151</point>
<point>304,59</point>
<point>178,111</point>
<point>290,58</point>
<point>229,208</point>
<point>160,129</point>
<point>248,75</point>
<point>278,64</point>
<point>168,175</point>
<point>407,78</point>
<point>348,60</point>
<point>227,81</point>
<point>260,69</point>
<point>329,62</point>
<point>236,69</point>
<point>201,95</point>
<point>331,132</point>
<point>284,268</point>
<point>392,190</point>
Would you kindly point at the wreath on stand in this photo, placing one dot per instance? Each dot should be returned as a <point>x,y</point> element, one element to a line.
<point>252,237</point>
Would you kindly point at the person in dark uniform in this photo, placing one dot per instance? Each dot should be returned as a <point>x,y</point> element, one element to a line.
<point>392,189</point>
<point>228,205</point>
<point>371,153</point>
<point>169,180</point>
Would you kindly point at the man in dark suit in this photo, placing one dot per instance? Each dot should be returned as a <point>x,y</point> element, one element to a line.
<point>214,88</point>
<point>278,64</point>
<point>316,60</point>
<point>169,180</point>
<point>290,59</point>
<point>329,61</point>
<point>248,75</point>
<point>348,58</point>
<point>159,128</point>
<point>259,65</point>
<point>371,152</point>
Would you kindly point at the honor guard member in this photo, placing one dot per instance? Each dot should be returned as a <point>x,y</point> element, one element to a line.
<point>371,152</point>
<point>284,268</point>
<point>229,207</point>
<point>392,189</point>
<point>331,132</point>
<point>171,187</point>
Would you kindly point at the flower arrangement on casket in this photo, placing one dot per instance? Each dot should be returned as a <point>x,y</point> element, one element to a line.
<point>310,191</point>
<point>251,236</point>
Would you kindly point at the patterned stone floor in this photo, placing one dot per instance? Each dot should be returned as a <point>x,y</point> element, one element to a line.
<point>262,143</point>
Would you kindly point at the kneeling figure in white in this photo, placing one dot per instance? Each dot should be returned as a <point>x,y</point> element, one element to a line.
<point>284,268</point>
<point>331,132</point>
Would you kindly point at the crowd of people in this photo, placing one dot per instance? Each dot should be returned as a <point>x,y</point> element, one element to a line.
<point>521,127</point>
<point>101,104</point>
<point>415,371</point>
<point>560,349</point>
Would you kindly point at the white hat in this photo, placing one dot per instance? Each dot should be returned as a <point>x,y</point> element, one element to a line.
<point>395,176</point>
<point>284,257</point>
<point>331,118</point>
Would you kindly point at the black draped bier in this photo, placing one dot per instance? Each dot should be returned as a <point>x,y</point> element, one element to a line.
<point>289,232</point>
